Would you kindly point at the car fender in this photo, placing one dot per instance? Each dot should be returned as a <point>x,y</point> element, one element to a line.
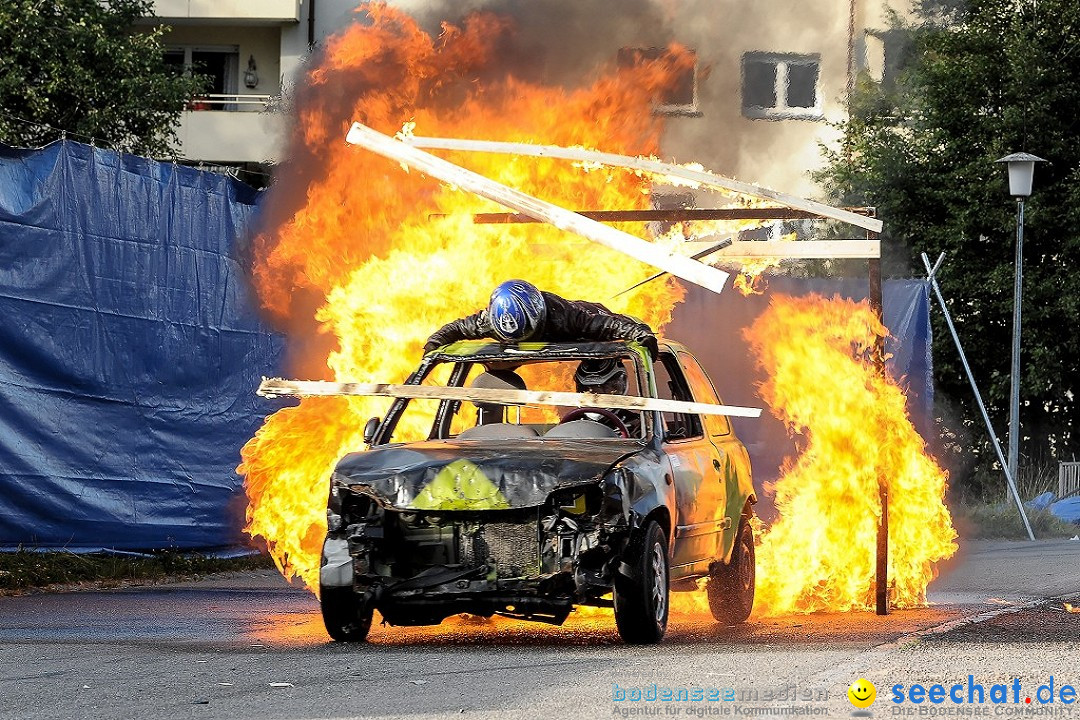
<point>648,489</point>
<point>337,564</point>
<point>740,496</point>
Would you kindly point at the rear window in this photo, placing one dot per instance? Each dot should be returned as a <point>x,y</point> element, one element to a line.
<point>704,391</point>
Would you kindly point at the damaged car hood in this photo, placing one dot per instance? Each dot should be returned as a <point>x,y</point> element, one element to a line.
<point>479,475</point>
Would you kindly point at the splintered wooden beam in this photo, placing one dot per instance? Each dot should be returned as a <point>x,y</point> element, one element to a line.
<point>646,252</point>
<point>676,215</point>
<point>798,249</point>
<point>700,177</point>
<point>276,387</point>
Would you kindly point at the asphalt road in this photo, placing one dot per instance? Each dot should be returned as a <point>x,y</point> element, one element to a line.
<point>250,646</point>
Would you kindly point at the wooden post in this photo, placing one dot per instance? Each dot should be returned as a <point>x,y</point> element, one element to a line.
<point>881,585</point>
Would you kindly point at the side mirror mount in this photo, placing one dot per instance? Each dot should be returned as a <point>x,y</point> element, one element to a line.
<point>370,427</point>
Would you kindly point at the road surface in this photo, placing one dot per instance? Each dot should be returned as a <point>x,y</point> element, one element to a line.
<point>251,646</point>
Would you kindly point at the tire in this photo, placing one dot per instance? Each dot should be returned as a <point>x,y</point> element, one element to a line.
<point>731,586</point>
<point>641,602</point>
<point>346,617</point>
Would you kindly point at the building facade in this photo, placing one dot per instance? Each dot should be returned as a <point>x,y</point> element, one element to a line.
<point>771,78</point>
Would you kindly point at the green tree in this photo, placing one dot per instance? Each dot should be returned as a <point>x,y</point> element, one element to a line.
<point>983,80</point>
<point>78,66</point>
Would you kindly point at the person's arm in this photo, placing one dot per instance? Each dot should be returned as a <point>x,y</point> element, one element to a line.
<point>467,328</point>
<point>622,327</point>
<point>593,321</point>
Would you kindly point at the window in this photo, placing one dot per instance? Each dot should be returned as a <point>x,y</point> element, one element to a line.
<point>680,98</point>
<point>666,200</point>
<point>893,54</point>
<point>670,385</point>
<point>221,63</point>
<point>781,87</point>
<point>703,390</point>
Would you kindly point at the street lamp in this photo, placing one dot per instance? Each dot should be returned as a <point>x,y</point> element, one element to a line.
<point>1021,170</point>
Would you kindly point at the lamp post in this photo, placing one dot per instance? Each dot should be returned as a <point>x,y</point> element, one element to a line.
<point>1021,169</point>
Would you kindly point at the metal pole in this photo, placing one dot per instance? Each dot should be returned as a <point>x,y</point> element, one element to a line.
<point>696,256</point>
<point>881,574</point>
<point>932,277</point>
<point>1014,394</point>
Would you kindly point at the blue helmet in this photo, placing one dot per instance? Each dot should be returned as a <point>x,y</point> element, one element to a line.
<point>516,310</point>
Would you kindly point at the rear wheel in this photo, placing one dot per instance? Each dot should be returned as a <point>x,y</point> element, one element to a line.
<point>346,616</point>
<point>731,586</point>
<point>641,601</point>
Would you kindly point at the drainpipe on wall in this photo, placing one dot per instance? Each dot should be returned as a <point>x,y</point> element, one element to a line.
<point>850,49</point>
<point>311,25</point>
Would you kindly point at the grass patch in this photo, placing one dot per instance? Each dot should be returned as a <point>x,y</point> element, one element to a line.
<point>1002,521</point>
<point>25,569</point>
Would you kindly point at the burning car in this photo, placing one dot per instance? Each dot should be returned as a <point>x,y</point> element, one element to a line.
<point>513,509</point>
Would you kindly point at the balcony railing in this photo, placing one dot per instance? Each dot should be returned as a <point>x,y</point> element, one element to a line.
<point>232,103</point>
<point>228,13</point>
<point>221,128</point>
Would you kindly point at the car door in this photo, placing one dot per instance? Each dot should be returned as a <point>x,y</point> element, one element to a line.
<point>722,492</point>
<point>692,459</point>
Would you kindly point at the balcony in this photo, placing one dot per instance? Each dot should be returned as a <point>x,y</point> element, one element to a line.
<point>231,129</point>
<point>228,12</point>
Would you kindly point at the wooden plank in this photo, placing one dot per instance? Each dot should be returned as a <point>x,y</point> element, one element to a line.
<point>795,249</point>
<point>700,177</point>
<point>655,255</point>
<point>277,387</point>
<point>676,215</point>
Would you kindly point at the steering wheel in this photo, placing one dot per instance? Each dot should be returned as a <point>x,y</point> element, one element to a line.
<point>612,419</point>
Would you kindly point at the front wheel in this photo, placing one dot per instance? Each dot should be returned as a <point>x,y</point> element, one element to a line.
<point>641,601</point>
<point>731,586</point>
<point>346,616</point>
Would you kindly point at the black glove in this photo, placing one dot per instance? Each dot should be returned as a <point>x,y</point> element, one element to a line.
<point>649,343</point>
<point>430,346</point>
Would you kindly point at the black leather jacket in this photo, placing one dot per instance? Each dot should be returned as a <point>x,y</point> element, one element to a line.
<point>567,321</point>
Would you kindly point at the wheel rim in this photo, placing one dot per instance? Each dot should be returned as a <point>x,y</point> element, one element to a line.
<point>746,567</point>
<point>659,590</point>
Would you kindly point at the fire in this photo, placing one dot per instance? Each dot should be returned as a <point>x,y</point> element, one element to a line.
<point>819,554</point>
<point>751,272</point>
<point>1071,609</point>
<point>361,260</point>
<point>855,433</point>
<point>388,256</point>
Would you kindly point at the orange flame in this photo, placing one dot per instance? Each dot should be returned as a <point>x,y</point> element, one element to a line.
<point>1071,609</point>
<point>823,383</point>
<point>361,260</point>
<point>751,272</point>
<point>388,256</point>
<point>818,355</point>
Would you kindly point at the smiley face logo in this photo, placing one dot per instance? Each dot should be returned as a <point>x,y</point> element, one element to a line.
<point>862,693</point>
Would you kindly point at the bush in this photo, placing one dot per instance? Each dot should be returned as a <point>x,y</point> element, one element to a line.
<point>1002,521</point>
<point>34,569</point>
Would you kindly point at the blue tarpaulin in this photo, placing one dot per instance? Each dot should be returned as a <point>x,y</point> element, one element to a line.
<point>130,351</point>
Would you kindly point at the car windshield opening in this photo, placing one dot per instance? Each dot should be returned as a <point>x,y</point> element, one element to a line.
<point>468,420</point>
